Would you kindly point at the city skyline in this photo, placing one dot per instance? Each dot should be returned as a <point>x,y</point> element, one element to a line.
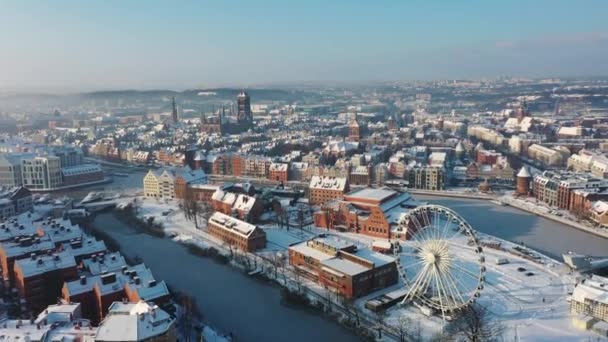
<point>67,46</point>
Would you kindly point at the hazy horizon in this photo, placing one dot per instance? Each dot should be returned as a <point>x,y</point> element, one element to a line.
<point>72,46</point>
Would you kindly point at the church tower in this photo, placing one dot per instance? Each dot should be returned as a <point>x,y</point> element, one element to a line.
<point>354,130</point>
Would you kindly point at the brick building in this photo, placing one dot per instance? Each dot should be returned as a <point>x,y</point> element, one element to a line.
<point>235,232</point>
<point>202,192</point>
<point>38,279</point>
<point>556,188</point>
<point>360,175</point>
<point>342,268</point>
<point>323,189</point>
<point>97,292</point>
<point>244,207</point>
<point>369,211</point>
<point>278,172</point>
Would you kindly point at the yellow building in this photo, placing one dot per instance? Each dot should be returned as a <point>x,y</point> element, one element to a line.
<point>151,186</point>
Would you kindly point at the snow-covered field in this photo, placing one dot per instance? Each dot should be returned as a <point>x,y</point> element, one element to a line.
<point>531,307</point>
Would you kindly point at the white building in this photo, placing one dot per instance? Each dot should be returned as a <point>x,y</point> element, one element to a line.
<point>590,298</point>
<point>41,173</point>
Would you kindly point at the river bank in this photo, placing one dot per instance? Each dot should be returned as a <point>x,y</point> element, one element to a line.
<point>515,203</point>
<point>250,308</point>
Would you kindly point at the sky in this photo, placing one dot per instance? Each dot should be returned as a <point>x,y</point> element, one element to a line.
<point>80,45</point>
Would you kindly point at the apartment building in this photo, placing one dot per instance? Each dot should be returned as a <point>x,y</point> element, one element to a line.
<point>98,291</point>
<point>548,156</point>
<point>244,207</point>
<point>360,175</point>
<point>590,298</point>
<point>425,177</point>
<point>39,279</point>
<point>237,233</point>
<point>136,322</point>
<point>10,168</point>
<point>15,200</point>
<point>278,172</point>
<point>323,189</point>
<point>41,173</point>
<point>170,183</point>
<point>556,188</point>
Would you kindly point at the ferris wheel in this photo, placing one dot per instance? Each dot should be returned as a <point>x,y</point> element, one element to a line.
<point>442,262</point>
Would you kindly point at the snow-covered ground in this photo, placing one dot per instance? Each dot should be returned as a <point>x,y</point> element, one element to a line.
<point>564,216</point>
<point>528,298</point>
<point>531,307</point>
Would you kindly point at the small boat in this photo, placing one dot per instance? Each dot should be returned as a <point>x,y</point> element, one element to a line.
<point>92,197</point>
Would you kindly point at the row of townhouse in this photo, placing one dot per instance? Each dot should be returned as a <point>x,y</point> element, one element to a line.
<point>185,183</point>
<point>589,161</point>
<point>127,322</point>
<point>45,259</point>
<point>559,189</point>
<point>172,183</point>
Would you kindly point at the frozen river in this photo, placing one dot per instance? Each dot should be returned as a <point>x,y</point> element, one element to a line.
<point>546,236</point>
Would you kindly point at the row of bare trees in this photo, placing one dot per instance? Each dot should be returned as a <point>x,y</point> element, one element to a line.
<point>194,210</point>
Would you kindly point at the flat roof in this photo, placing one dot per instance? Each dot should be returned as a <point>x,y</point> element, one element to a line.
<point>314,253</point>
<point>344,266</point>
<point>230,223</point>
<point>378,194</point>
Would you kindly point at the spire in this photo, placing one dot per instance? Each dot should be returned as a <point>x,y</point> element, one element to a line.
<point>174,110</point>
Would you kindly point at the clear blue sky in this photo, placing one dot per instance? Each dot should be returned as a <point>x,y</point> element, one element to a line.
<point>86,44</point>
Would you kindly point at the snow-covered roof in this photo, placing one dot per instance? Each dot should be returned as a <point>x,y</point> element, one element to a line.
<point>384,244</point>
<point>378,259</point>
<point>595,289</point>
<point>80,169</point>
<point>133,322</point>
<point>305,249</point>
<point>524,173</point>
<point>599,207</point>
<point>63,312</point>
<point>572,131</point>
<point>344,266</point>
<point>104,263</point>
<point>232,224</point>
<point>278,167</point>
<point>85,247</point>
<point>147,289</point>
<point>45,263</point>
<point>244,203</point>
<point>224,196</point>
<point>377,194</point>
<point>328,183</point>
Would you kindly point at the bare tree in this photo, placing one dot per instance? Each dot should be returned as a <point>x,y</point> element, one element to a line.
<point>327,300</point>
<point>300,217</point>
<point>189,317</point>
<point>297,280</point>
<point>402,325</point>
<point>476,325</point>
<point>192,208</point>
<point>379,317</point>
<point>351,310</point>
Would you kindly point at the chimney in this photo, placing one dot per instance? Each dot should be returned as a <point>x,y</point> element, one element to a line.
<point>152,283</point>
<point>137,280</point>
<point>83,280</point>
